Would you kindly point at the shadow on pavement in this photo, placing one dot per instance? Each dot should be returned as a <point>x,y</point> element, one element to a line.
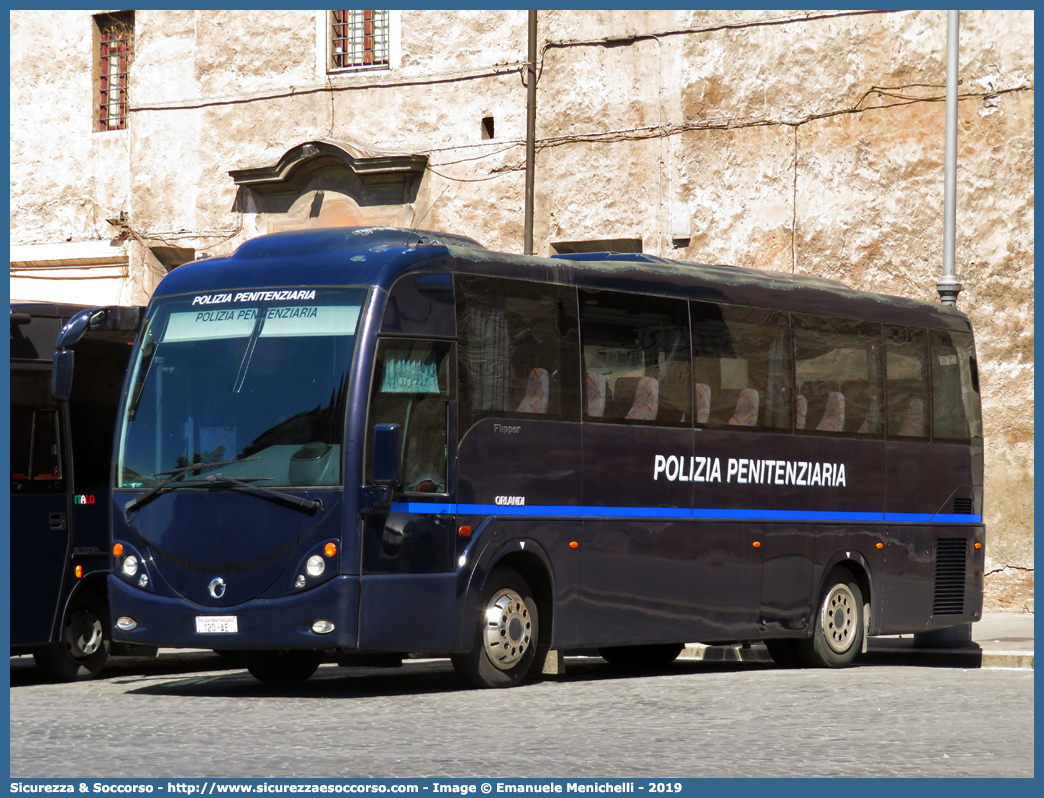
<point>24,672</point>
<point>418,677</point>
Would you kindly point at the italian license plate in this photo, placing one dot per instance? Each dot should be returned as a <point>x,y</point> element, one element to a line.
<point>216,624</point>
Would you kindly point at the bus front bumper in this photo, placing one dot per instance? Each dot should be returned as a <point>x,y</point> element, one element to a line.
<point>284,622</point>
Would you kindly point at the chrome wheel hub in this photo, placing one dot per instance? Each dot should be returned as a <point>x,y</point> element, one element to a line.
<point>84,634</point>
<point>838,619</point>
<point>507,629</point>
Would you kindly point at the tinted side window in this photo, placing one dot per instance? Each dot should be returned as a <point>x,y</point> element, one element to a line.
<point>906,352</point>
<point>519,350</point>
<point>35,340</point>
<point>97,384</point>
<point>35,455</point>
<point>837,366</point>
<point>636,358</point>
<point>955,395</point>
<point>741,367</point>
<point>421,304</point>
<point>412,386</point>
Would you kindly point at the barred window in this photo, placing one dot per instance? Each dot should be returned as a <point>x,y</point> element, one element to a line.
<point>358,39</point>
<point>115,50</point>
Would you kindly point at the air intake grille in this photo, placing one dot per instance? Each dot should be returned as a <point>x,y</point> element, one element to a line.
<point>951,562</point>
<point>962,506</point>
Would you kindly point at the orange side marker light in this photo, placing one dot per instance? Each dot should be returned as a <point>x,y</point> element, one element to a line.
<point>573,544</point>
<point>330,549</point>
<point>464,531</point>
<point>880,545</point>
<point>757,544</point>
<point>978,545</point>
<point>117,549</point>
<point>78,570</point>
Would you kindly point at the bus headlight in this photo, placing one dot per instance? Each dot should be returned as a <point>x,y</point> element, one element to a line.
<point>130,565</point>
<point>315,565</point>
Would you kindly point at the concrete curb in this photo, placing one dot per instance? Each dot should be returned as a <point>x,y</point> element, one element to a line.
<point>878,653</point>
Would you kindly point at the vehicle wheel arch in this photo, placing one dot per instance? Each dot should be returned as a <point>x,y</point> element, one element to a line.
<point>92,587</point>
<point>858,566</point>
<point>524,556</point>
<point>84,614</point>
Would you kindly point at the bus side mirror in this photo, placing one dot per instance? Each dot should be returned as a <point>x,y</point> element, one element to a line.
<point>62,375</point>
<point>386,468</point>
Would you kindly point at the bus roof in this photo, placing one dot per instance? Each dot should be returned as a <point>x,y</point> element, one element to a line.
<point>379,255</point>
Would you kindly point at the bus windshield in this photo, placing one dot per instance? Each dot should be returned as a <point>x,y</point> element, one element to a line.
<point>259,377</point>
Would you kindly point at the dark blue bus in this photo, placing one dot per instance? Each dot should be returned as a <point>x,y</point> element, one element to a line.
<point>361,443</point>
<point>61,465</point>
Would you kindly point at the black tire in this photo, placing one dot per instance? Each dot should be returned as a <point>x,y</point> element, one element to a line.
<point>282,667</point>
<point>507,634</point>
<point>837,634</point>
<point>784,652</point>
<point>641,658</point>
<point>84,647</point>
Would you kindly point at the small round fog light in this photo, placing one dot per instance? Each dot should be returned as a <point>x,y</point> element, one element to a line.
<point>130,565</point>
<point>322,627</point>
<point>315,565</point>
<point>125,624</point>
<point>143,580</point>
<point>300,581</point>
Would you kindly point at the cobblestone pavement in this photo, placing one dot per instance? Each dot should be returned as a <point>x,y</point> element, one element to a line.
<point>192,715</point>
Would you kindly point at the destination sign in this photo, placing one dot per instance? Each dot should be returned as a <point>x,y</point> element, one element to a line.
<point>279,322</point>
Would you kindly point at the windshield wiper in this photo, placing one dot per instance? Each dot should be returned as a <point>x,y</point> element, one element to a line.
<point>175,475</point>
<point>247,487</point>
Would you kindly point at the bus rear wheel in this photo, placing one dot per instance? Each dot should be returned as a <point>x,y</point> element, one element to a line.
<point>838,632</point>
<point>282,667</point>
<point>649,657</point>
<point>84,647</point>
<point>506,638</point>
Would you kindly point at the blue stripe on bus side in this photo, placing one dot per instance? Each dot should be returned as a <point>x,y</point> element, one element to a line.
<point>573,511</point>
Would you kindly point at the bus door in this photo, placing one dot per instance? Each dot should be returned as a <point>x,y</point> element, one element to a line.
<point>39,505</point>
<point>408,569</point>
<point>100,365</point>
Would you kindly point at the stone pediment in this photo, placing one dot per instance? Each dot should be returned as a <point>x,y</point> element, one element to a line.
<point>301,163</point>
<point>329,183</point>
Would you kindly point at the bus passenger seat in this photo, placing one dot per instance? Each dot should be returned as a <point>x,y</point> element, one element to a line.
<point>646,400</point>
<point>595,394</point>
<point>746,414</point>
<point>802,411</point>
<point>913,420</point>
<point>536,393</point>
<point>703,402</point>
<point>619,400</point>
<point>834,416</point>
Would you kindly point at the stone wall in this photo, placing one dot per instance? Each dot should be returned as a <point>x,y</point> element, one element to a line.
<point>808,143</point>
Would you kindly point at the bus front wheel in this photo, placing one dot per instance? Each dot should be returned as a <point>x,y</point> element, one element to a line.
<point>507,634</point>
<point>84,647</point>
<point>838,633</point>
<point>282,667</point>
